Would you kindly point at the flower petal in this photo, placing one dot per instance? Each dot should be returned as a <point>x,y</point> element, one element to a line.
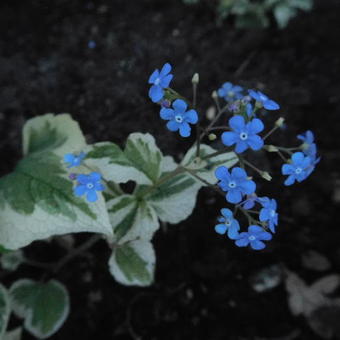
<point>91,196</point>
<point>234,196</point>
<point>248,187</point>
<point>229,138</point>
<point>287,169</point>
<point>243,241</point>
<point>290,180</point>
<point>220,229</point>
<point>154,76</point>
<point>297,157</point>
<point>226,212</point>
<point>184,129</point>
<point>238,173</point>
<point>165,70</point>
<point>166,114</point>
<point>255,126</point>
<point>255,142</point>
<point>241,146</point>
<point>172,125</point>
<point>166,80</point>
<point>179,105</point>
<point>255,229</point>
<point>233,233</point>
<point>257,245</point>
<point>191,116</point>
<point>237,123</point>
<point>222,173</point>
<point>271,105</point>
<point>156,93</point>
<point>95,176</point>
<point>79,190</point>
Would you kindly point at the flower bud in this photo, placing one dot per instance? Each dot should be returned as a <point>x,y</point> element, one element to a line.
<point>266,175</point>
<point>195,79</point>
<point>214,95</point>
<point>212,137</point>
<point>279,122</point>
<point>211,113</point>
<point>271,148</point>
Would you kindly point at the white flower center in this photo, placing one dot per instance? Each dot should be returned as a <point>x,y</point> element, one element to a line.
<point>227,222</point>
<point>232,184</point>
<point>178,118</point>
<point>298,171</point>
<point>89,186</point>
<point>252,238</point>
<point>157,81</point>
<point>243,135</point>
<point>231,94</point>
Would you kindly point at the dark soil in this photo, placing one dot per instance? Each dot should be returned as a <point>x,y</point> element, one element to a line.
<point>203,284</point>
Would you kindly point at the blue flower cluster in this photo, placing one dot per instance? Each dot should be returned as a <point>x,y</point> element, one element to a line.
<point>242,133</point>
<point>237,185</point>
<point>86,184</point>
<point>302,163</point>
<point>178,117</point>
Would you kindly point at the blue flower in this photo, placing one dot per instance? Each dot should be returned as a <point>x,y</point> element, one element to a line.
<point>228,223</point>
<point>264,100</point>
<point>254,237</point>
<point>235,184</point>
<point>74,160</point>
<point>89,184</point>
<point>249,202</point>
<point>160,81</point>
<point>309,146</point>
<point>299,168</point>
<point>179,118</point>
<point>268,212</point>
<point>230,92</point>
<point>244,135</point>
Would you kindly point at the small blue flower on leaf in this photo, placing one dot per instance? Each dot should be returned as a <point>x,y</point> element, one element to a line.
<point>268,212</point>
<point>74,160</point>
<point>264,100</point>
<point>244,135</point>
<point>254,238</point>
<point>230,92</point>
<point>178,118</point>
<point>89,185</point>
<point>160,81</point>
<point>236,183</point>
<point>228,224</point>
<point>299,168</point>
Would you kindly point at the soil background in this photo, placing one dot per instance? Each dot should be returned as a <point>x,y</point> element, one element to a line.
<point>204,284</point>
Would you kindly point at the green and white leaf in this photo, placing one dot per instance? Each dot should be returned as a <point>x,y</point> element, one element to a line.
<point>58,133</point>
<point>44,306</point>
<point>206,168</point>
<point>175,199</point>
<point>5,309</point>
<point>141,160</point>
<point>283,13</point>
<point>132,218</point>
<point>37,200</point>
<point>12,260</point>
<point>133,263</point>
<point>14,334</point>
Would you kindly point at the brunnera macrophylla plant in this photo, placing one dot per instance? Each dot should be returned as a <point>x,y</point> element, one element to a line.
<point>63,185</point>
